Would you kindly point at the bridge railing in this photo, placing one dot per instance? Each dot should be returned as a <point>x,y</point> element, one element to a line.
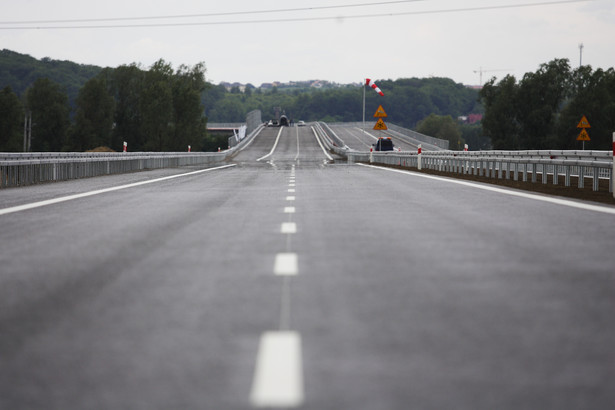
<point>528,165</point>
<point>21,169</point>
<point>35,168</point>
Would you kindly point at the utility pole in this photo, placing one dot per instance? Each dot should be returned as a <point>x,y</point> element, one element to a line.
<point>27,131</point>
<point>581,54</point>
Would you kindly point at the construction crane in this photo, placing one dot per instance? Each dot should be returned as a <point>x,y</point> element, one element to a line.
<point>480,71</point>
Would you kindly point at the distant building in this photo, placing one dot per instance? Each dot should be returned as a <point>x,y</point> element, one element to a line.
<point>470,118</point>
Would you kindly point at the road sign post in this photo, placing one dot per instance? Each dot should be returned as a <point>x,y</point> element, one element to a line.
<point>583,136</point>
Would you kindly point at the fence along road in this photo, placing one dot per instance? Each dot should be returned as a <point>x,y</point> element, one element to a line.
<point>377,289</point>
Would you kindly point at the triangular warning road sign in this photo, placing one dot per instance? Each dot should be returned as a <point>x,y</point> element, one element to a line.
<point>584,123</point>
<point>583,136</point>
<point>380,112</point>
<point>380,125</point>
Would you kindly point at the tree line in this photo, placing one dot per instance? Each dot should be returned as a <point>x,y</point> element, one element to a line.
<point>543,109</point>
<point>407,102</point>
<point>77,108</point>
<point>158,109</point>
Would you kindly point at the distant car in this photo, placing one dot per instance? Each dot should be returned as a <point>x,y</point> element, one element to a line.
<point>301,124</point>
<point>272,123</point>
<point>383,144</point>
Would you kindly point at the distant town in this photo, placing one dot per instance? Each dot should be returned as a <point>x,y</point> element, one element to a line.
<point>315,84</point>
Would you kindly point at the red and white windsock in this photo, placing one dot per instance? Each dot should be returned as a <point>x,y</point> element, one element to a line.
<point>372,84</point>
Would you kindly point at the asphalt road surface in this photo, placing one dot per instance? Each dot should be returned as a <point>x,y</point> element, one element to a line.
<point>287,279</point>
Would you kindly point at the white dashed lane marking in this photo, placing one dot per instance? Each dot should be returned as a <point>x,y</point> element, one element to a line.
<point>286,264</point>
<point>278,377</point>
<point>288,227</point>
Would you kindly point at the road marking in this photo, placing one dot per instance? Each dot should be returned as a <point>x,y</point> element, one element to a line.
<point>278,376</point>
<point>275,144</point>
<point>297,156</point>
<point>290,198</point>
<point>564,202</point>
<point>291,190</point>
<point>291,184</point>
<point>289,210</point>
<point>321,146</point>
<point>285,264</point>
<point>288,227</point>
<point>101,191</point>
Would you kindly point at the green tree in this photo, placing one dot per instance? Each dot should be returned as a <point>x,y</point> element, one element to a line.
<point>500,120</point>
<point>125,84</point>
<point>443,127</point>
<point>50,115</point>
<point>190,124</point>
<point>156,104</point>
<point>593,95</point>
<point>11,121</point>
<point>94,117</point>
<point>538,101</point>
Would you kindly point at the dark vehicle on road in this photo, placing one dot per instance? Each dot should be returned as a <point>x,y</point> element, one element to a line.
<point>383,144</point>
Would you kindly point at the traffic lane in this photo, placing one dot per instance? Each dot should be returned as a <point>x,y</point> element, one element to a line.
<point>311,151</point>
<point>154,297</point>
<point>414,292</point>
<point>298,146</point>
<point>10,197</point>
<point>354,137</point>
<point>260,146</point>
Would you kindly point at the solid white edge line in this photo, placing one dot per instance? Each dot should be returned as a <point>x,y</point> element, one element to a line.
<point>320,143</point>
<point>297,156</point>
<point>101,191</point>
<point>275,144</point>
<point>285,264</point>
<point>564,202</point>
<point>278,375</point>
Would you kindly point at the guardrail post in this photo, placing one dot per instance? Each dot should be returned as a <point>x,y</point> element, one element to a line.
<point>419,157</point>
<point>613,170</point>
<point>581,177</point>
<point>555,174</point>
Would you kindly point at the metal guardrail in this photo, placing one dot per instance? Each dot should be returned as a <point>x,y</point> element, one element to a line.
<point>21,169</point>
<point>505,164</point>
<point>34,168</point>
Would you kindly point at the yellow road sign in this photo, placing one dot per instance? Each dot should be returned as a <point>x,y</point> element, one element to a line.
<point>380,113</point>
<point>584,123</point>
<point>583,136</point>
<point>380,125</point>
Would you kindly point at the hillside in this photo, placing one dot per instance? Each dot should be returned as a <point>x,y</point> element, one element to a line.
<point>19,71</point>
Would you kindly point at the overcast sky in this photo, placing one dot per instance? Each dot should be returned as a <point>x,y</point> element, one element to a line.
<point>318,40</point>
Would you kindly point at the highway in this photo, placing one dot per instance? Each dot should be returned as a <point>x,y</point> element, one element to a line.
<point>287,279</point>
